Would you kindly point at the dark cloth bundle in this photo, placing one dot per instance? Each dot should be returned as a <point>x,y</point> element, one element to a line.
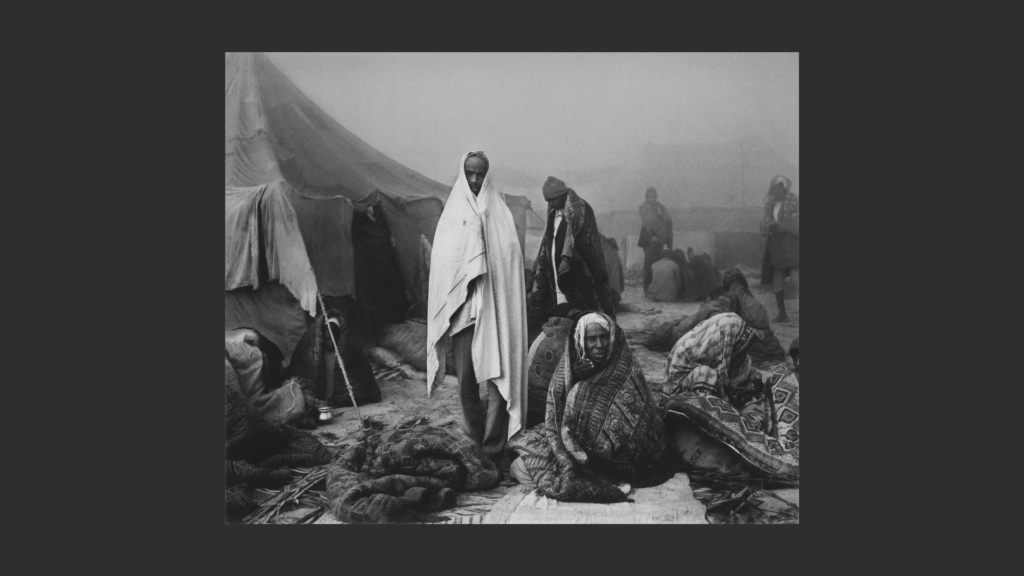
<point>394,498</point>
<point>394,474</point>
<point>308,362</point>
<point>545,353</point>
<point>603,429</point>
<point>705,276</point>
<point>256,450</point>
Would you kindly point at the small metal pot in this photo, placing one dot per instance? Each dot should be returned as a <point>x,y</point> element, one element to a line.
<point>325,414</point>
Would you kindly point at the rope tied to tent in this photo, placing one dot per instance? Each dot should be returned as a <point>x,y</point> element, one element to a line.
<point>337,355</point>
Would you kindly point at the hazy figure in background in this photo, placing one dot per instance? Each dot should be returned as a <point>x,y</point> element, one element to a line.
<point>477,306</point>
<point>706,276</point>
<point>781,224</point>
<point>656,232</point>
<point>570,271</point>
<point>665,279</point>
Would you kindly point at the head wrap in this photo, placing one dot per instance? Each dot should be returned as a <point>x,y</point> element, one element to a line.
<point>553,188</point>
<point>781,180</point>
<point>478,154</point>
<point>733,274</point>
<point>581,330</point>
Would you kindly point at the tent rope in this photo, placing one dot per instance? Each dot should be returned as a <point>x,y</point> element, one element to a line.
<point>337,354</point>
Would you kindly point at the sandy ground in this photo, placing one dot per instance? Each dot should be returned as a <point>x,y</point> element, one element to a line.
<point>407,398</point>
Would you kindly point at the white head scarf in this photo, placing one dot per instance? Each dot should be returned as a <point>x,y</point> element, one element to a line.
<point>581,330</point>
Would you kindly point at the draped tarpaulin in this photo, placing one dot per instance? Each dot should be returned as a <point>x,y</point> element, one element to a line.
<point>326,225</point>
<point>263,242</point>
<point>272,311</point>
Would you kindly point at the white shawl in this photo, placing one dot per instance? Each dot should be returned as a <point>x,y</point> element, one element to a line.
<point>476,238</point>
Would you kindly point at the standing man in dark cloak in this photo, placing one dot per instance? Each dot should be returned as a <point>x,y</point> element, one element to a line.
<point>570,270</point>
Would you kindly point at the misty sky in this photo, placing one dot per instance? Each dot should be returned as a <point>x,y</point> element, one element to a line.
<point>550,113</point>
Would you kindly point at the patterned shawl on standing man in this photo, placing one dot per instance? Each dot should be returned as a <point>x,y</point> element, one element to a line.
<point>582,272</point>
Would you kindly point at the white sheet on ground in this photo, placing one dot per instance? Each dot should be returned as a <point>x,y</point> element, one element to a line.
<point>670,503</point>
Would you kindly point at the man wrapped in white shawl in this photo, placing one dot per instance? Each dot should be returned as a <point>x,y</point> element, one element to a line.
<point>477,306</point>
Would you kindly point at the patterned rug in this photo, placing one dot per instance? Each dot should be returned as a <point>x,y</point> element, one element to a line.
<point>771,446</point>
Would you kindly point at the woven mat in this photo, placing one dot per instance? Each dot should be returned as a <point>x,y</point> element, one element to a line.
<point>671,503</point>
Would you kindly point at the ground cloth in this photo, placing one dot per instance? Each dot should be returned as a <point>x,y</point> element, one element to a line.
<point>255,450</point>
<point>603,429</point>
<point>395,474</point>
<point>669,503</point>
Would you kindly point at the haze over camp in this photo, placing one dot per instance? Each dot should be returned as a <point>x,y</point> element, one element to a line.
<point>512,288</point>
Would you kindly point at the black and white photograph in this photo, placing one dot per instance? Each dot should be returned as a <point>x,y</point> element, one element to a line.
<point>512,288</point>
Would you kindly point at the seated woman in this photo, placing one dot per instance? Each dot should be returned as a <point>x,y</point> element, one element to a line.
<point>712,383</point>
<point>602,428</point>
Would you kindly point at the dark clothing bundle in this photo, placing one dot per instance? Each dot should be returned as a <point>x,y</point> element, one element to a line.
<point>396,474</point>
<point>256,450</point>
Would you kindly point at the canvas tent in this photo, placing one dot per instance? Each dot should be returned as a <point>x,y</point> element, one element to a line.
<point>297,189</point>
